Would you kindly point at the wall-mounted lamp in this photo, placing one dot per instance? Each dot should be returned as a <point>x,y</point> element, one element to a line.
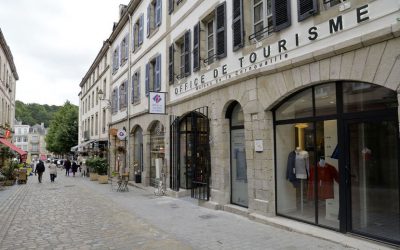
<point>101,97</point>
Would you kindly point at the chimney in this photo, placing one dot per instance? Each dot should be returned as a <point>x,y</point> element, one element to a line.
<point>122,10</point>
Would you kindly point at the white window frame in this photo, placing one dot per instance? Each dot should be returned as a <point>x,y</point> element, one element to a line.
<point>210,58</point>
<point>266,15</point>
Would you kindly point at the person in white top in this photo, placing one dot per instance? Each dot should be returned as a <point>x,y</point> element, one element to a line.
<point>82,162</point>
<point>53,170</point>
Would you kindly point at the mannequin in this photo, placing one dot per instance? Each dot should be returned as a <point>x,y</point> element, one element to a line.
<point>302,167</point>
<point>321,162</point>
<point>302,164</point>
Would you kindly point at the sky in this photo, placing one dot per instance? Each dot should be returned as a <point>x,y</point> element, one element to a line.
<point>54,42</point>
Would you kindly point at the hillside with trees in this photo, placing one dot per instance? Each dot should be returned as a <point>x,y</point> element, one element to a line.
<point>63,129</point>
<point>33,113</point>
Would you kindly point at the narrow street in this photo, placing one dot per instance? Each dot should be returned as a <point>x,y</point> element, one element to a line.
<point>75,213</point>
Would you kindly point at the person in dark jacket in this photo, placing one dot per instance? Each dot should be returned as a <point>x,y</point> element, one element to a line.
<point>67,165</point>
<point>74,168</point>
<point>39,170</point>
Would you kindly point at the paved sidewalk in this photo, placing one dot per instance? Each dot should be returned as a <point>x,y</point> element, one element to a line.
<point>75,213</point>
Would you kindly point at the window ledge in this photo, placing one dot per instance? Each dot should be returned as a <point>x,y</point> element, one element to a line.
<point>153,32</point>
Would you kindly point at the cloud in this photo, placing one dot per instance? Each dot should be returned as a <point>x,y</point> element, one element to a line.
<point>54,43</point>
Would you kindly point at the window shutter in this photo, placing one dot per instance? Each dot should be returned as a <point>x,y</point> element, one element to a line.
<point>126,93</point>
<point>118,56</point>
<point>220,17</point>
<point>138,86</point>
<point>237,25</point>
<point>140,40</point>
<point>196,47</point>
<point>134,43</point>
<point>170,6</point>
<point>306,8</point>
<point>120,97</point>
<point>126,46</point>
<point>158,12</point>
<point>281,14</point>
<point>157,81</point>
<point>171,64</point>
<point>186,46</point>
<point>133,88</point>
<point>148,19</point>
<point>147,81</point>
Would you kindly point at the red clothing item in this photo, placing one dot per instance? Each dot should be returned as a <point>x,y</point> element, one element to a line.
<point>326,175</point>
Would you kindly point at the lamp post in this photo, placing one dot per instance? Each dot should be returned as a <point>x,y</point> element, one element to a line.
<point>101,97</point>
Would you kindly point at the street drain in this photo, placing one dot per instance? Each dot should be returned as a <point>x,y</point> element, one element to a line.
<point>208,216</point>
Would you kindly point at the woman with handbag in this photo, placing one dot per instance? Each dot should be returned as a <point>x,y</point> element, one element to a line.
<point>53,170</point>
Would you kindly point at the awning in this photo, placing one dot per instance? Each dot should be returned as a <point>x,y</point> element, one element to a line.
<point>12,147</point>
<point>74,148</point>
<point>82,146</point>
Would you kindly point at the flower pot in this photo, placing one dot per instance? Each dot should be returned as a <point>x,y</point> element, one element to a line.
<point>103,179</point>
<point>93,176</point>
<point>138,178</point>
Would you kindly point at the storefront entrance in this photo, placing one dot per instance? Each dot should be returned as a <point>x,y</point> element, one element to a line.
<point>239,185</point>
<point>337,159</point>
<point>190,153</point>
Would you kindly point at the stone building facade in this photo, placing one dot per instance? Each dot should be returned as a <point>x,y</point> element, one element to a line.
<point>8,79</point>
<point>290,111</point>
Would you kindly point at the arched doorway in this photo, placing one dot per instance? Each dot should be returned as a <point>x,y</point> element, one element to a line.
<point>138,153</point>
<point>239,186</point>
<point>157,152</point>
<point>336,150</point>
<point>190,153</point>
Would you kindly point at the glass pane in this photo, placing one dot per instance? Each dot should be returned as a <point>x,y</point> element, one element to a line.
<point>298,106</point>
<point>239,168</point>
<point>237,116</point>
<point>210,43</point>
<point>325,99</point>
<point>374,172</point>
<point>295,153</point>
<point>359,96</point>
<point>258,13</point>
<point>326,174</point>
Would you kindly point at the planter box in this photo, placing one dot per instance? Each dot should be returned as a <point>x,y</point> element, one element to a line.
<point>9,182</point>
<point>93,176</point>
<point>103,179</point>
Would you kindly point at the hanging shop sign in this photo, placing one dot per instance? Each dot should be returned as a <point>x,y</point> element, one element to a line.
<point>292,45</point>
<point>121,134</point>
<point>157,103</point>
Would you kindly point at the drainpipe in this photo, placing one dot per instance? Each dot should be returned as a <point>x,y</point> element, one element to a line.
<point>128,148</point>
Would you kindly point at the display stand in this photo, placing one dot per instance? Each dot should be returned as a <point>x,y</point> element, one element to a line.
<point>301,196</point>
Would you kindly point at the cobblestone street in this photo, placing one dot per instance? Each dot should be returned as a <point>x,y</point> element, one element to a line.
<point>75,213</point>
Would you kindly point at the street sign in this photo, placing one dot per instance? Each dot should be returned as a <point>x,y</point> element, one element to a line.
<point>121,134</point>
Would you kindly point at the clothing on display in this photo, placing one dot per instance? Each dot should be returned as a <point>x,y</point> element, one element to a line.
<point>297,166</point>
<point>326,175</point>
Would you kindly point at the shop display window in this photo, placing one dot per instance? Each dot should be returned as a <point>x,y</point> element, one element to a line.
<point>336,151</point>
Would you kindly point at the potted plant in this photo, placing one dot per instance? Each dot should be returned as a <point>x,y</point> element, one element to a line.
<point>91,163</point>
<point>120,149</point>
<point>9,173</point>
<point>101,169</point>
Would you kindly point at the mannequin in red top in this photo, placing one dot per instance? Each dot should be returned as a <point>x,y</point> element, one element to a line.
<point>326,175</point>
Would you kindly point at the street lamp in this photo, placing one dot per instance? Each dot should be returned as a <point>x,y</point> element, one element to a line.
<point>101,97</point>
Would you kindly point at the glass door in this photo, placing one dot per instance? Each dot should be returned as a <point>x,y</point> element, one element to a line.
<point>373,172</point>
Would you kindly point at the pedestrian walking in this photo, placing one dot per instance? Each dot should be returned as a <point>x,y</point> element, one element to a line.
<point>74,168</point>
<point>67,165</point>
<point>84,167</point>
<point>39,170</point>
<point>53,170</point>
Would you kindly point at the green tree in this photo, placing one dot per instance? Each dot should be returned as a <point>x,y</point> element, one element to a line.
<point>33,113</point>
<point>63,130</point>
